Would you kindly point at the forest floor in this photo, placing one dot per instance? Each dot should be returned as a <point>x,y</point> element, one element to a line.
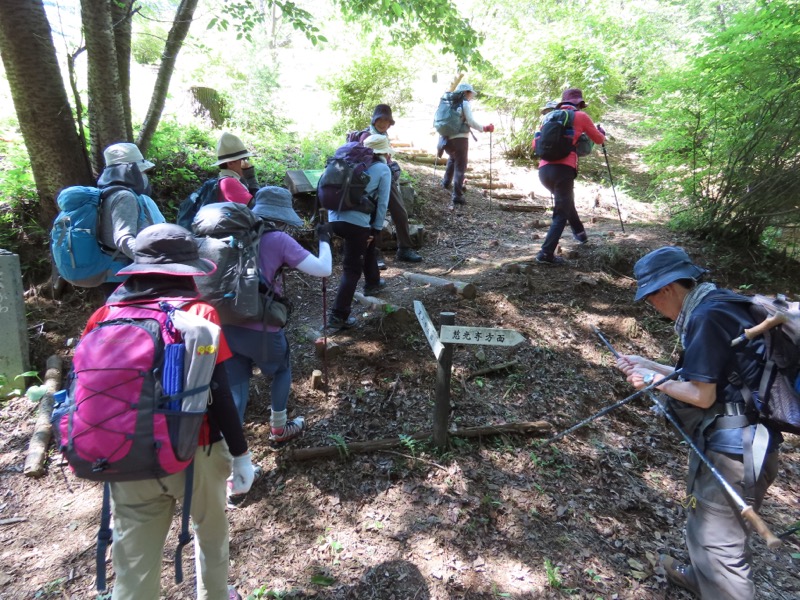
<point>502,516</point>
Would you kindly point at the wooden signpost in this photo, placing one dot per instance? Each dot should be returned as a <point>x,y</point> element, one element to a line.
<point>442,346</point>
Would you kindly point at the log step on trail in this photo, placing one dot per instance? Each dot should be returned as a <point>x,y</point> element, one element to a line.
<point>535,428</point>
<point>468,291</point>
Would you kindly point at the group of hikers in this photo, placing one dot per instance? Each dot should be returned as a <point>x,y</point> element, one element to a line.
<point>164,261</point>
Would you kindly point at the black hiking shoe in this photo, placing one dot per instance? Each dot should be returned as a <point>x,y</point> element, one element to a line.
<point>374,288</point>
<point>551,260</point>
<point>335,322</point>
<point>408,255</point>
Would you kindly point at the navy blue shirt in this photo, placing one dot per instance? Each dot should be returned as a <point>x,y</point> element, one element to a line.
<point>709,358</point>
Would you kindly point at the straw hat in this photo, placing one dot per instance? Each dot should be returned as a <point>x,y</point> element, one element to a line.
<point>230,147</point>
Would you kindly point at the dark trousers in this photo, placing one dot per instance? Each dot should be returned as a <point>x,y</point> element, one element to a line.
<point>359,257</point>
<point>457,155</point>
<point>560,180</point>
<point>399,216</point>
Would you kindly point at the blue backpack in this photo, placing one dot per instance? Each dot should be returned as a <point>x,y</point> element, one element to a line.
<point>78,254</point>
<point>207,194</point>
<point>448,121</point>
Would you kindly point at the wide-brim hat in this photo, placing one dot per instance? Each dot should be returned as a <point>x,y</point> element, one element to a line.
<point>382,111</point>
<point>465,87</point>
<point>573,96</point>
<point>549,107</point>
<point>123,153</point>
<point>230,147</point>
<point>379,144</point>
<point>275,204</point>
<point>661,267</point>
<point>167,249</point>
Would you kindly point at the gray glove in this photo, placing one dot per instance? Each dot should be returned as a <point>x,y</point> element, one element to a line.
<point>249,175</point>
<point>242,475</point>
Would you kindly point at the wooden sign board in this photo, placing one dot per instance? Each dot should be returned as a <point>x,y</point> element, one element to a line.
<point>428,329</point>
<point>484,336</point>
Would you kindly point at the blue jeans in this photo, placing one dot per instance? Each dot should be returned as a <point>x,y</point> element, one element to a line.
<point>270,351</point>
<point>560,180</point>
<point>458,153</point>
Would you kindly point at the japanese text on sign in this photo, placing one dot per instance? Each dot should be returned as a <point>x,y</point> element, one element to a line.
<point>428,329</point>
<point>485,336</point>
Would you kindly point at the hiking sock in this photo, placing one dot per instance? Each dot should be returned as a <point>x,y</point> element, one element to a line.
<point>277,421</point>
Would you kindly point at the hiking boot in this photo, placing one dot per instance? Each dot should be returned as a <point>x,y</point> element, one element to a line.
<point>233,594</point>
<point>581,237</point>
<point>678,574</point>
<point>381,262</point>
<point>335,322</point>
<point>445,185</point>
<point>459,201</point>
<point>551,260</point>
<point>234,500</point>
<point>292,429</point>
<point>374,288</point>
<point>408,255</point>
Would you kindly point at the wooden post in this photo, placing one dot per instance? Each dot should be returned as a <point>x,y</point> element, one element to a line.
<point>441,409</point>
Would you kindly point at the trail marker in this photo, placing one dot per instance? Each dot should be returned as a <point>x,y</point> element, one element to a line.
<point>442,346</point>
<point>485,336</point>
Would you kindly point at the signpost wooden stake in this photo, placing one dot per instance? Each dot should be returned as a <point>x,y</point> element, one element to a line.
<point>443,351</point>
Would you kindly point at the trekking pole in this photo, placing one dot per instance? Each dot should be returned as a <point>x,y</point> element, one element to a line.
<point>322,216</point>
<point>616,405</point>
<point>490,170</point>
<point>790,531</point>
<point>611,179</point>
<point>747,511</point>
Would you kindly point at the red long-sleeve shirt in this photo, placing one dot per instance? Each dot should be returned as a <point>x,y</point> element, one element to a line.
<point>581,124</point>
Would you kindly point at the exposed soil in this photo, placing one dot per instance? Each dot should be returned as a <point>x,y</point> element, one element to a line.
<point>498,517</point>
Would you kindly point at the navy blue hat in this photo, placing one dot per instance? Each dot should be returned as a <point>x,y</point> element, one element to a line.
<point>661,267</point>
<point>382,111</point>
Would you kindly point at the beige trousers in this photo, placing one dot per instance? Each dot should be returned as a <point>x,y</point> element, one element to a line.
<point>143,512</point>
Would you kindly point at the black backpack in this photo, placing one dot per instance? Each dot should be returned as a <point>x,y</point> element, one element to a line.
<point>207,194</point>
<point>554,140</point>
<point>343,183</point>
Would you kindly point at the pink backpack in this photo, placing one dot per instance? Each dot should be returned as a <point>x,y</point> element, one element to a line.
<point>138,392</point>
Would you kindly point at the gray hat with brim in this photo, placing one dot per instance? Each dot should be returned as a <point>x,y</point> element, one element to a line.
<point>275,204</point>
<point>230,148</point>
<point>465,87</point>
<point>166,249</point>
<point>661,267</point>
<point>123,153</point>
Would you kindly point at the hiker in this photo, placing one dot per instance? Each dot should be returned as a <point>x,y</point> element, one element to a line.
<point>165,262</point>
<point>457,146</point>
<point>549,107</point>
<point>558,177</point>
<point>712,409</point>
<point>128,210</point>
<point>361,232</point>
<point>266,345</point>
<point>237,177</point>
<point>381,121</point>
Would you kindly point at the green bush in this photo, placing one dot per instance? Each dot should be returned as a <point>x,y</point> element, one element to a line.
<point>374,79</point>
<point>147,43</point>
<point>252,100</point>
<point>727,158</point>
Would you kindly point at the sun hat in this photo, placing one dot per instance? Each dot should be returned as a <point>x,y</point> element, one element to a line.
<point>382,111</point>
<point>167,249</point>
<point>230,147</point>
<point>379,144</point>
<point>661,267</point>
<point>573,96</point>
<point>465,87</point>
<point>549,107</point>
<point>275,204</point>
<point>123,153</point>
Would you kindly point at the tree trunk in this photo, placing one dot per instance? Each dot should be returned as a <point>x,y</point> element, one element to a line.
<point>106,112</point>
<point>41,103</point>
<point>122,19</point>
<point>180,27</point>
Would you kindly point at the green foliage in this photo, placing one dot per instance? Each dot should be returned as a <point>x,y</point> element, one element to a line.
<point>147,42</point>
<point>251,98</point>
<point>244,16</point>
<point>730,128</point>
<point>553,575</point>
<point>377,78</point>
<point>410,23</point>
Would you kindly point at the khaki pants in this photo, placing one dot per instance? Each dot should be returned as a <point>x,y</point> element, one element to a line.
<point>143,512</point>
<point>717,535</point>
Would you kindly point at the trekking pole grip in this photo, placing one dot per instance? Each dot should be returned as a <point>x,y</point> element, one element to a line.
<point>761,528</point>
<point>761,328</point>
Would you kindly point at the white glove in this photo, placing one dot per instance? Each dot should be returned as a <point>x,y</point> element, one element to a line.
<point>242,474</point>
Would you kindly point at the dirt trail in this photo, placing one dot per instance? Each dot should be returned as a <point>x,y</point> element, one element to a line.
<point>500,517</point>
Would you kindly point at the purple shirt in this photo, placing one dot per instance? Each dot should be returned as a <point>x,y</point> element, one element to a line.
<point>275,250</point>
